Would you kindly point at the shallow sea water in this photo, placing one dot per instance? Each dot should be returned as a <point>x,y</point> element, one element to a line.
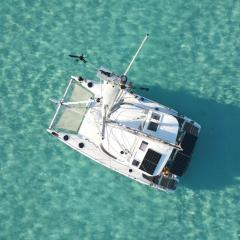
<point>191,62</point>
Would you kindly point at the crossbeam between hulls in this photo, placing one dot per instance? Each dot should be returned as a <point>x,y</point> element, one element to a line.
<point>68,103</point>
<point>136,54</point>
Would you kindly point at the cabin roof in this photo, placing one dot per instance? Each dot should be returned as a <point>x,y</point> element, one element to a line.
<point>129,147</point>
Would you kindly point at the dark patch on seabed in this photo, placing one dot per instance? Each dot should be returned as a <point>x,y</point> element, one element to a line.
<point>215,163</point>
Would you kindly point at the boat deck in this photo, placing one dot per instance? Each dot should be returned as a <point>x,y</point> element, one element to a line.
<point>84,134</point>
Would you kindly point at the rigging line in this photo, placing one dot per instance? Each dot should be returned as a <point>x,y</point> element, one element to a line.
<point>117,141</point>
<point>101,83</point>
<point>108,134</point>
<point>124,145</point>
<point>109,144</point>
<point>129,97</point>
<point>118,105</point>
<point>119,96</point>
<point>125,141</point>
<point>112,129</point>
<point>117,114</point>
<point>134,145</point>
<point>98,121</point>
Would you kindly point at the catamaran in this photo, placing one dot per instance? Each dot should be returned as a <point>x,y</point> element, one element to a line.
<point>111,124</point>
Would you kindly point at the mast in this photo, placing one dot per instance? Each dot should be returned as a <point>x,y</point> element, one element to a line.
<point>121,93</point>
<point>136,54</point>
<point>112,94</point>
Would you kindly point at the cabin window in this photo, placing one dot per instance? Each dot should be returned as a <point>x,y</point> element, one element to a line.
<point>155,116</point>
<point>143,146</point>
<point>152,126</point>
<point>135,163</point>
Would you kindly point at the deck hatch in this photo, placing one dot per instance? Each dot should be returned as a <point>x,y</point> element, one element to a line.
<point>155,116</point>
<point>150,161</point>
<point>152,126</point>
<point>135,163</point>
<point>143,146</point>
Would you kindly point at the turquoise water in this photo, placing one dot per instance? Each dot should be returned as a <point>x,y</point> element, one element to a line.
<point>191,62</point>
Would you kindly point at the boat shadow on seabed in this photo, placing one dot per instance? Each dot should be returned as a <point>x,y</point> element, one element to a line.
<point>215,163</point>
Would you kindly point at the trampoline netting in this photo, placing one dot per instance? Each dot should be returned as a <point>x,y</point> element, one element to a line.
<point>70,116</point>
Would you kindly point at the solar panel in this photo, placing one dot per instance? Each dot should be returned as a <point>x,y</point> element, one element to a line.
<point>188,144</point>
<point>150,161</point>
<point>180,164</point>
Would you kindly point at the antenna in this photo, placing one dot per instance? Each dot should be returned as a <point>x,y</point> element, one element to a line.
<point>136,54</point>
